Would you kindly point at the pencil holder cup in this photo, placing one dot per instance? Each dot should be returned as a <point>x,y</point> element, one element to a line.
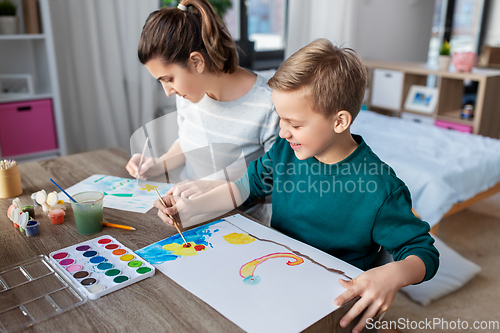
<point>10,182</point>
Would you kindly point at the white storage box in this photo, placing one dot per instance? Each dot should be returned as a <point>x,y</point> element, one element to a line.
<point>387,89</point>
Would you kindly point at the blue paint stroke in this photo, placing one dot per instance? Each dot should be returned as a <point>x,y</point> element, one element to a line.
<point>252,279</point>
<point>155,254</point>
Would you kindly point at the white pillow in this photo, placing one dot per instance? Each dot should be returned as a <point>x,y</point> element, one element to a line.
<point>454,272</point>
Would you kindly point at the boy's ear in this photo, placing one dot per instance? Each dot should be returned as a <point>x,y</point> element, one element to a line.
<point>198,62</point>
<point>342,121</point>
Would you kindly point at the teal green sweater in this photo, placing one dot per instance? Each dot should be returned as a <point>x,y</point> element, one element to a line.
<point>348,209</point>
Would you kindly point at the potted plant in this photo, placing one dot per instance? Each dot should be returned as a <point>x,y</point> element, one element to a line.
<point>444,56</point>
<point>8,19</point>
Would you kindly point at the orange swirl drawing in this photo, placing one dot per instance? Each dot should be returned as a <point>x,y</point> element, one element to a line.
<point>247,270</point>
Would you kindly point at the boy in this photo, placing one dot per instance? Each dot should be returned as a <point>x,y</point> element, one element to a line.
<point>329,189</point>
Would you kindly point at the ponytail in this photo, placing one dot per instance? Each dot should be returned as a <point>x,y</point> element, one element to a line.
<point>172,34</point>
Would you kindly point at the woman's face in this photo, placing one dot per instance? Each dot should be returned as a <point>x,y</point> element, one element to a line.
<point>175,79</point>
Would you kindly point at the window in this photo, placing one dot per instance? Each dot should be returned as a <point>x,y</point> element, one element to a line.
<point>460,22</point>
<point>263,23</point>
<point>258,26</point>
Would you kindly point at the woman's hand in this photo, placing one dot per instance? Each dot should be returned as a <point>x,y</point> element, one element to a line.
<point>193,188</point>
<point>149,168</point>
<point>377,288</point>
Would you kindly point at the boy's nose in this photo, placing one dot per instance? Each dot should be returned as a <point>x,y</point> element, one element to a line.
<point>284,134</point>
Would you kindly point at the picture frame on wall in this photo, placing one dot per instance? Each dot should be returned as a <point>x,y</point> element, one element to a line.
<point>421,99</point>
<point>16,84</point>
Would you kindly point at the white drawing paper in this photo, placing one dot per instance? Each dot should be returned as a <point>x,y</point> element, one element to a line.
<point>121,193</point>
<point>258,278</point>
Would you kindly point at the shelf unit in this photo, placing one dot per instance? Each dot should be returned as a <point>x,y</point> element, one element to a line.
<point>450,85</point>
<point>34,54</point>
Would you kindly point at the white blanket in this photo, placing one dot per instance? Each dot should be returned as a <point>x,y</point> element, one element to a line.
<point>440,167</point>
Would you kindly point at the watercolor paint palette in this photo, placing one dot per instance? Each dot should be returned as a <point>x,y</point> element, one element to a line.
<point>101,265</point>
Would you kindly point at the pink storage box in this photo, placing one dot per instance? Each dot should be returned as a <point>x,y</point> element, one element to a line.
<point>27,127</point>
<point>453,126</point>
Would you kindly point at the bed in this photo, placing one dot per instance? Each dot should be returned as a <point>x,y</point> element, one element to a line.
<point>445,170</point>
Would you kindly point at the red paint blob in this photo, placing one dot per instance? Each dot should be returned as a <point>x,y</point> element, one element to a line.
<point>186,245</point>
<point>199,247</point>
<point>112,246</point>
<point>104,241</point>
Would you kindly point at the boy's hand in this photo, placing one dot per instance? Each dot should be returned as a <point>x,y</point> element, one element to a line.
<point>180,209</point>
<point>149,167</point>
<point>377,288</point>
<point>193,188</point>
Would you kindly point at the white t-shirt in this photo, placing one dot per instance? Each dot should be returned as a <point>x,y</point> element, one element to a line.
<point>219,137</point>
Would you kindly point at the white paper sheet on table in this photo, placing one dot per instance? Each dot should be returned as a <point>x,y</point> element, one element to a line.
<point>277,297</point>
<point>121,193</point>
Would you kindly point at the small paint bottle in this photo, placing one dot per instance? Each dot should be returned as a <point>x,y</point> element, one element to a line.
<point>32,228</point>
<point>35,203</point>
<point>57,216</point>
<point>23,221</point>
<point>30,209</point>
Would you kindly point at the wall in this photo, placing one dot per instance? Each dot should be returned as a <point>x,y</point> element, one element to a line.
<point>395,30</point>
<point>492,36</point>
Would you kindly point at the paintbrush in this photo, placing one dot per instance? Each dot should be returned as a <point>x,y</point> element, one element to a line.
<point>173,221</point>
<point>142,157</point>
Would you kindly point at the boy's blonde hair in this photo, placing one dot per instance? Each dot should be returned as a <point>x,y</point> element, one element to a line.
<point>333,78</point>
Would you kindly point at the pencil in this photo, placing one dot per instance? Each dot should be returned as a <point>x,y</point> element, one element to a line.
<point>173,221</point>
<point>142,157</point>
<point>119,226</point>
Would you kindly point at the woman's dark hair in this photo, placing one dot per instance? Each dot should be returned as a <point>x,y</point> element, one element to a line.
<point>172,34</point>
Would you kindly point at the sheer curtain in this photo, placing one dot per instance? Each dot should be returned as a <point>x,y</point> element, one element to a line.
<point>106,93</point>
<point>311,19</point>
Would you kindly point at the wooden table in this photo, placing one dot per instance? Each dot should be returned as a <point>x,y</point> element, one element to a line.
<point>156,304</point>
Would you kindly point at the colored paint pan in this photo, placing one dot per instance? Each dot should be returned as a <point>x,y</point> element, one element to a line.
<point>104,241</point>
<point>112,246</point>
<point>96,288</point>
<point>83,248</point>
<point>112,272</point>
<point>60,255</point>
<point>143,270</point>
<point>81,274</point>
<point>120,279</point>
<point>89,254</point>
<point>88,281</point>
<point>127,257</point>
<point>135,263</point>
<point>74,268</point>
<point>119,252</point>
<point>97,260</point>
<point>67,261</point>
<point>104,266</point>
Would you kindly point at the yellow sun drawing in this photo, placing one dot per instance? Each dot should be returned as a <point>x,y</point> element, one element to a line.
<point>148,188</point>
